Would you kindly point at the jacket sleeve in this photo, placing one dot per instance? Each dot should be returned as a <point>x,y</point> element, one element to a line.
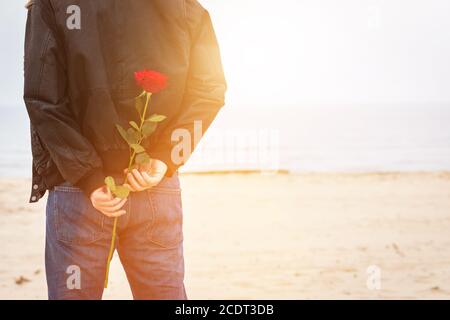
<point>48,105</point>
<point>205,86</point>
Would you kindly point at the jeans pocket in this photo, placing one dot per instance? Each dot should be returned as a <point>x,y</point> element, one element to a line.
<point>76,220</point>
<point>166,227</point>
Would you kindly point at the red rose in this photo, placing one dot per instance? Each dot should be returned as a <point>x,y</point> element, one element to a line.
<point>151,81</point>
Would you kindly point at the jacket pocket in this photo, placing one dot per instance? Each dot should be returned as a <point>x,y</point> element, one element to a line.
<point>76,220</point>
<point>166,228</point>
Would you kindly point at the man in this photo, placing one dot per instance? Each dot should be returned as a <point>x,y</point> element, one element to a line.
<point>80,59</point>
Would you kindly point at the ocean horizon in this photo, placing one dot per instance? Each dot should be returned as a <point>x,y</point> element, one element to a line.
<point>347,138</point>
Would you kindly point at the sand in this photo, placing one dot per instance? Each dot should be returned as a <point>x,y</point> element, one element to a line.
<point>276,237</point>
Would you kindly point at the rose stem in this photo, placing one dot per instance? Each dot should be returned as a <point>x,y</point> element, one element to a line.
<point>130,163</point>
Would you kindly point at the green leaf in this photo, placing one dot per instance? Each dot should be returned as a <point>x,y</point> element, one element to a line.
<point>134,125</point>
<point>109,181</point>
<point>156,118</point>
<point>142,158</point>
<point>121,192</point>
<point>122,132</point>
<point>133,136</point>
<point>148,128</point>
<point>138,148</point>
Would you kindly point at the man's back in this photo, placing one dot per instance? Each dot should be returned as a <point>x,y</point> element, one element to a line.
<point>83,84</point>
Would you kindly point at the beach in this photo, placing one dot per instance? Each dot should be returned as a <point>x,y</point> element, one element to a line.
<point>275,236</point>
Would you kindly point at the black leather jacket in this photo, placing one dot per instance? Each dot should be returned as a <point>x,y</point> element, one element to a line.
<point>79,82</point>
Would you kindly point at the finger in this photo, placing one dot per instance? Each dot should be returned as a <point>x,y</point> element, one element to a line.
<point>106,214</point>
<point>129,187</point>
<point>108,203</point>
<point>134,183</point>
<point>114,214</point>
<point>126,171</point>
<point>151,180</point>
<point>145,167</point>
<point>147,178</point>
<point>118,214</point>
<point>138,176</point>
<point>114,208</point>
<point>103,196</point>
<point>156,176</point>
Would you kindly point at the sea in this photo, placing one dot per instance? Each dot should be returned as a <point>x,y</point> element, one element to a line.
<point>307,138</point>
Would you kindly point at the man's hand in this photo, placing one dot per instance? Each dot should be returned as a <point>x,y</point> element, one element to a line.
<point>146,176</point>
<point>106,203</point>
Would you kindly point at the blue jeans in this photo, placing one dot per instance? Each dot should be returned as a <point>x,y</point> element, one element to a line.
<point>149,243</point>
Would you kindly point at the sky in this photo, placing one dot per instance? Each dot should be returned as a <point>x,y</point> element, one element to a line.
<point>298,52</point>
